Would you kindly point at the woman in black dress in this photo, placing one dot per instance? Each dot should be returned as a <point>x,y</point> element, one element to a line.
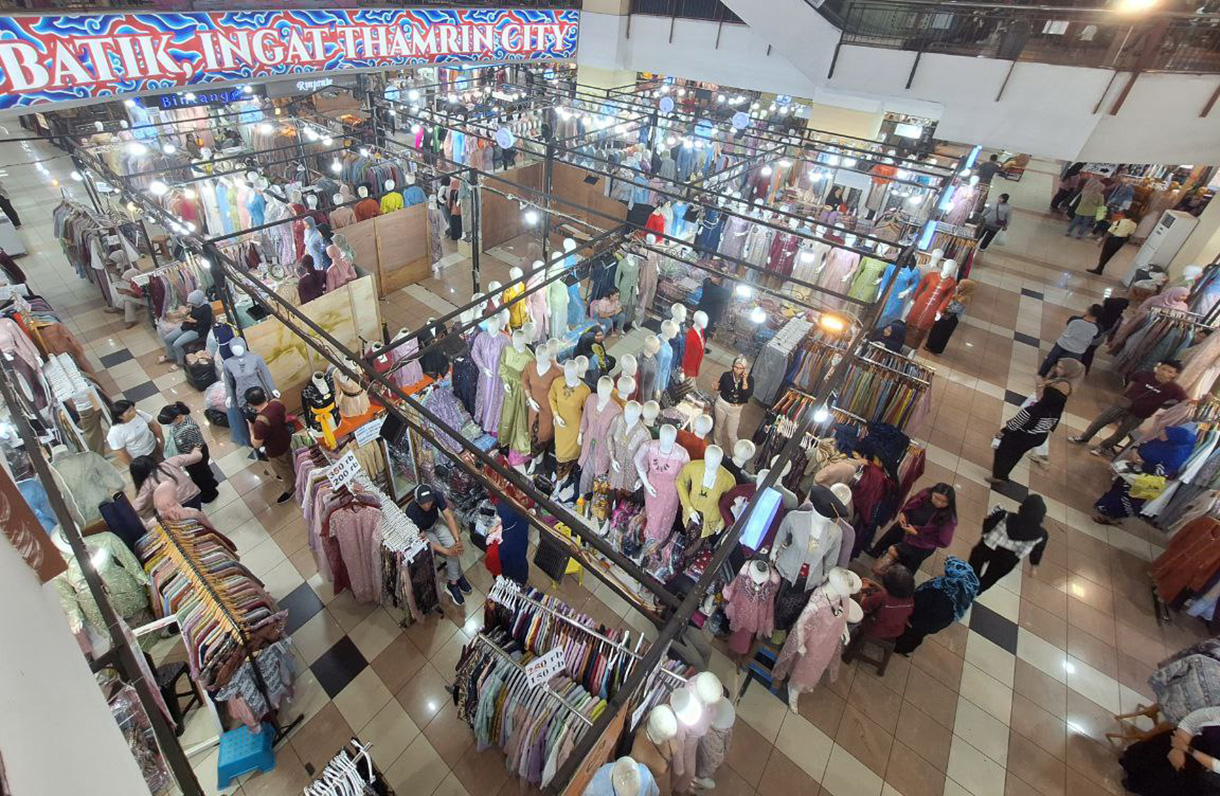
<point>946,324</point>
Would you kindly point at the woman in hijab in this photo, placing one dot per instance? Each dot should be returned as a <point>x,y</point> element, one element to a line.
<point>310,283</point>
<point>434,363</point>
<point>893,336</point>
<point>196,327</point>
<point>939,603</point>
<point>1112,310</point>
<point>340,240</point>
<point>1163,456</point>
<point>1092,196</point>
<point>592,344</point>
<point>1172,299</point>
<point>315,244</point>
<point>1032,426</point>
<point>1009,537</point>
<point>341,269</point>
<point>944,327</point>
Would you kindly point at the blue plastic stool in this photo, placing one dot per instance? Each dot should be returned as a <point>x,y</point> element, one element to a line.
<point>243,751</point>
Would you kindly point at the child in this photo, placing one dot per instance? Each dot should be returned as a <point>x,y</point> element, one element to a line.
<point>887,605</point>
<point>1101,223</point>
<point>188,437</point>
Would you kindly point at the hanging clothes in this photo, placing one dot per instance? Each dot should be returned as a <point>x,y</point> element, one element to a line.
<point>514,431</point>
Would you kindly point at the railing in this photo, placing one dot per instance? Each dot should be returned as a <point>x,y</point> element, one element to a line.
<point>68,6</point>
<point>713,10</point>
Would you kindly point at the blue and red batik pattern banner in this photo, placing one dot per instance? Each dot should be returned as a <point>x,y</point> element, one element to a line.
<point>66,58</point>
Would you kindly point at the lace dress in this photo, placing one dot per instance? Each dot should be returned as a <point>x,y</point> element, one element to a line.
<point>750,607</point>
<point>820,631</point>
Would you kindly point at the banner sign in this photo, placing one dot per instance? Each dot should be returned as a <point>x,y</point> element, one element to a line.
<point>63,58</point>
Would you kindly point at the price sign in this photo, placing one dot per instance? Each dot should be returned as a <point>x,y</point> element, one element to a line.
<point>638,714</point>
<point>369,431</point>
<point>543,669</point>
<point>741,120</point>
<point>667,105</point>
<point>343,471</point>
<point>418,545</point>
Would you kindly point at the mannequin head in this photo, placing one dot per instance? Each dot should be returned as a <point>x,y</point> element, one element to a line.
<point>389,185</point>
<point>668,435</point>
<point>703,426</point>
<point>842,582</point>
<point>582,363</point>
<point>519,340</point>
<point>759,570</point>
<point>677,312</point>
<point>362,191</point>
<point>632,412</point>
<point>743,451</point>
<point>531,330</point>
<point>843,493</point>
<point>469,315</point>
<point>937,254</point>
<point>708,688</point>
<point>515,273</point>
<point>237,348</point>
<point>713,456</point>
<point>569,245</point>
<point>625,777</point>
<point>700,319</point>
<point>311,201</point>
<point>545,352</point>
<point>723,715</point>
<point>625,386</point>
<point>669,330</point>
<point>787,468</point>
<point>662,724</point>
<point>605,388</point>
<point>337,198</point>
<point>652,344</point>
<point>948,268</point>
<point>571,373</point>
<point>650,413</point>
<point>495,322</point>
<point>409,179</point>
<point>685,705</point>
<point>629,365</point>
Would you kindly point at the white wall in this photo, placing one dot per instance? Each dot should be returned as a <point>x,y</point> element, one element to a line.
<point>1045,110</point>
<point>56,732</point>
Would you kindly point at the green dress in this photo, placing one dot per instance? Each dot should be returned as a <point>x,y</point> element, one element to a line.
<point>864,286</point>
<point>125,581</point>
<point>514,415</point>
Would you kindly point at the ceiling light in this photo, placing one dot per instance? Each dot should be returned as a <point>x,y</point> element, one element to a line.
<point>265,128</point>
<point>832,323</point>
<point>822,414</point>
<point>158,188</point>
<point>76,175</point>
<point>744,290</point>
<point>531,217</point>
<point>758,315</point>
<point>136,148</point>
<point>169,149</point>
<point>247,89</point>
<point>336,166</point>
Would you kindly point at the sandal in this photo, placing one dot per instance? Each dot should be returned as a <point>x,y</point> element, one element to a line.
<point>1102,519</point>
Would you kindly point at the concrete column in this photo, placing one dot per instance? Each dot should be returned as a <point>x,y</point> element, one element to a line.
<point>1203,244</point>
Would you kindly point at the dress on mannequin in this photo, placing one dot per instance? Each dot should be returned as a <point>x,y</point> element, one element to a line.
<point>647,377</point>
<point>819,629</point>
<point>541,420</point>
<point>906,280</point>
<point>733,240</point>
<point>517,312</point>
<point>627,280</point>
<point>694,496</point>
<point>929,300</point>
<point>750,608</point>
<point>864,285</point>
<point>663,469</point>
<point>322,410</point>
<point>486,351</point>
<point>246,371</point>
<point>557,299</point>
<point>594,450</point>
<point>840,263</point>
<point>692,357</point>
<point>514,416</point>
<point>783,253</point>
<point>436,230</point>
<point>624,445</point>
<point>665,366</point>
<point>121,573</point>
<point>352,399</point>
<point>568,403</point>
<point>648,283</point>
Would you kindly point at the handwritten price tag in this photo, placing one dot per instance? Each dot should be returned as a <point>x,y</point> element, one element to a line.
<point>343,471</point>
<point>543,669</point>
<point>417,546</point>
<point>369,431</point>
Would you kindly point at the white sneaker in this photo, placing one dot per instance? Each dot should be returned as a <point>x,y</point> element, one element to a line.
<point>705,784</point>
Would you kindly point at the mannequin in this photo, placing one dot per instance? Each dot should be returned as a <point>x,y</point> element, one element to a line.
<point>436,231</point>
<point>647,377</point>
<point>696,441</point>
<point>624,388</point>
<point>629,366</point>
<point>557,298</point>
<point>567,399</point>
<point>367,207</point>
<point>537,305</point>
<point>933,294</point>
<point>693,723</point>
<point>353,401</point>
<point>125,580</point>
<point>582,363</point>
<point>86,479</point>
<point>537,381</point>
<point>750,607</point>
<point>843,493</point>
<point>626,438</point>
<point>391,200</point>
<point>514,417</point>
<point>814,645</point>
<point>807,545</point>
<point>649,274</point>
<point>743,454</point>
<point>486,350</point>
<point>658,464</point>
<point>245,369</point>
<point>627,280</point>
<point>494,300</point>
<point>341,270</point>
<point>653,745</point>
<point>413,194</point>
<point>518,313</point>
<point>700,485</point>
<point>318,398</point>
<point>599,412</point>
<point>665,356</point>
<point>905,280</point>
<point>692,358</point>
<point>790,501</point>
<point>340,217</point>
<point>652,410</point>
<point>714,746</point>
<point>256,203</point>
<point>623,777</point>
<point>677,314</point>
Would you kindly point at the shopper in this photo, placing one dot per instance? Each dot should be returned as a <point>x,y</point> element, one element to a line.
<point>735,388</point>
<point>1184,760</point>
<point>514,541</point>
<point>163,489</point>
<point>988,170</point>
<point>129,297</point>
<point>946,324</point>
<point>1108,321</point>
<point>887,605</point>
<point>6,205</point>
<point>425,509</point>
<point>939,603</point>
<point>1077,336</point>
<point>1116,237</point>
<point>926,523</point>
<point>1032,425</point>
<point>608,311</point>
<point>1008,538</point>
<point>272,430</point>
<point>995,220</point>
<point>714,300</point>
<point>1091,197</point>
<point>196,327</point>
<point>1146,393</point>
<point>188,438</point>
<point>1062,197</point>
<point>893,336</point>
<point>592,344</point>
<point>311,283</point>
<point>133,433</point>
<point>1161,457</point>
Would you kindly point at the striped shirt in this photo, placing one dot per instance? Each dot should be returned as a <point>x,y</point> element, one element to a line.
<point>187,436</point>
<point>995,535</point>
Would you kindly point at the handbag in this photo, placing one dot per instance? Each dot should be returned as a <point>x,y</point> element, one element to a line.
<point>1147,486</point>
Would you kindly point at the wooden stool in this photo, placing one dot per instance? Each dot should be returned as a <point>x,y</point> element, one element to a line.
<point>161,244</point>
<point>856,648</point>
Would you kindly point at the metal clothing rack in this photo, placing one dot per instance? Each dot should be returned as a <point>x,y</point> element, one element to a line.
<point>545,689</point>
<point>202,580</point>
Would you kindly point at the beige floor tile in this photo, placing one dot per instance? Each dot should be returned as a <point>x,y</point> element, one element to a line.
<point>389,733</point>
<point>847,776</point>
<point>317,635</point>
<point>762,711</point>
<point>806,745</point>
<point>418,770</point>
<point>990,658</point>
<point>375,633</point>
<point>363,698</point>
<point>982,730</point>
<point>974,771</point>
<point>986,692</point>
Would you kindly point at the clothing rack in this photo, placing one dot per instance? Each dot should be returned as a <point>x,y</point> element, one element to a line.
<point>545,689</point>
<point>187,565</point>
<point>350,772</point>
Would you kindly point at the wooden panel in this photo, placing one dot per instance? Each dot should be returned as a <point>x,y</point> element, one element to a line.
<point>569,183</point>
<point>402,248</point>
<point>362,236</point>
<point>502,217</point>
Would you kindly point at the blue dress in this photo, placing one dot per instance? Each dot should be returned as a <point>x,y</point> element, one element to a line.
<point>907,278</point>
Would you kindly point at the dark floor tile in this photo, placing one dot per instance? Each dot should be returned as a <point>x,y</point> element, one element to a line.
<point>1028,339</point>
<point>995,628</point>
<point>1011,489</point>
<point>338,666</point>
<point>1014,398</point>
<point>117,358</point>
<point>1032,294</point>
<point>302,604</point>
<point>141,391</point>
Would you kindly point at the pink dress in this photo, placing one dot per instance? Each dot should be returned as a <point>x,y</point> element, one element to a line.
<point>410,373</point>
<point>485,351</point>
<point>750,608</point>
<point>820,631</point>
<point>840,264</point>
<point>662,470</point>
<point>594,452</point>
<point>623,448</point>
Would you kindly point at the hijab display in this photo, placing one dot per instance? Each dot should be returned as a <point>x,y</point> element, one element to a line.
<point>321,407</point>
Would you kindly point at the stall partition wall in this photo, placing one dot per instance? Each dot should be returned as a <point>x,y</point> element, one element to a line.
<point>569,183</point>
<point>393,247</point>
<point>502,217</point>
<point>348,314</point>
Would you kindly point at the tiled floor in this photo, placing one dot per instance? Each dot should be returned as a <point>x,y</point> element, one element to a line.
<point>1013,700</point>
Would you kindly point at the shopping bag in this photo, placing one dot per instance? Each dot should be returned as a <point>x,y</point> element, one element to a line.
<point>1001,238</point>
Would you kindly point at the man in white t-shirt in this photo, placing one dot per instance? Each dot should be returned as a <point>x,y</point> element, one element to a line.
<point>133,433</point>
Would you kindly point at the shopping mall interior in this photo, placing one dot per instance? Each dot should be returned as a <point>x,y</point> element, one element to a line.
<point>617,398</point>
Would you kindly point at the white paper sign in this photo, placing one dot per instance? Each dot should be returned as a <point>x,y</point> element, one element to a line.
<point>343,471</point>
<point>369,431</point>
<point>637,714</point>
<point>418,545</point>
<point>543,669</point>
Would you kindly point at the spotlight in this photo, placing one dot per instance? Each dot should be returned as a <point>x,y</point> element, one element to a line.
<point>136,148</point>
<point>767,171</point>
<point>158,188</point>
<point>191,194</point>
<point>247,89</point>
<point>169,149</point>
<point>336,166</point>
<point>743,290</point>
<point>328,141</point>
<point>364,152</point>
<point>822,414</point>
<point>129,103</point>
<point>758,315</point>
<point>531,217</point>
<point>413,95</point>
<point>76,175</point>
<point>832,323</point>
